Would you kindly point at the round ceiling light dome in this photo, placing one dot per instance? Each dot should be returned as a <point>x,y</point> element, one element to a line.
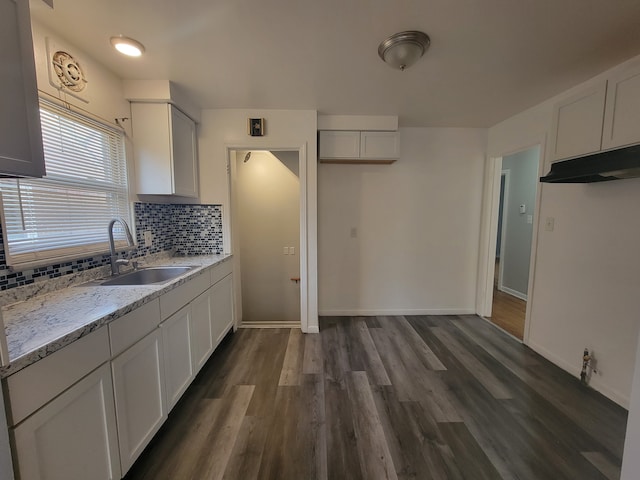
<point>403,49</point>
<point>127,46</point>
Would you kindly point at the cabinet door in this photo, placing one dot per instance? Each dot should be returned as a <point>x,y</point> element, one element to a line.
<point>577,123</point>
<point>184,152</point>
<point>139,391</point>
<point>152,147</point>
<point>176,342</point>
<point>20,134</point>
<point>382,145</point>
<point>74,436</point>
<point>201,329</point>
<point>222,297</point>
<point>339,144</point>
<point>622,113</point>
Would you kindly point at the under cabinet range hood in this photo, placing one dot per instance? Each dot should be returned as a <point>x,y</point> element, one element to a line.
<point>599,167</point>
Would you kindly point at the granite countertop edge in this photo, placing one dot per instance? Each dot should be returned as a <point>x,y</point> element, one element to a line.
<point>83,322</point>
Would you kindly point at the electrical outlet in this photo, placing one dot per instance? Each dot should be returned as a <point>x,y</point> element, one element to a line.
<point>148,238</point>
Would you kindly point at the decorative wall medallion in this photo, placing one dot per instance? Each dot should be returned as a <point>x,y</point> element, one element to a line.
<point>256,127</point>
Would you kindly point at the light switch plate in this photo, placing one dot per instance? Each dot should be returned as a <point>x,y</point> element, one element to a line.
<point>549,224</point>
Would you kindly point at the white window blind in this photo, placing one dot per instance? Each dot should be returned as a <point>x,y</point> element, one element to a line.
<point>65,214</point>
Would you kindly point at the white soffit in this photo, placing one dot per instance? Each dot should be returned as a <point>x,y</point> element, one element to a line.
<point>358,122</point>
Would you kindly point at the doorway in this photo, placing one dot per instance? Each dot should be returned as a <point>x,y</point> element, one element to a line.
<point>514,239</point>
<point>266,236</point>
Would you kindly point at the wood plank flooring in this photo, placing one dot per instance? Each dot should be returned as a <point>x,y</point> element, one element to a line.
<point>508,312</point>
<point>416,397</point>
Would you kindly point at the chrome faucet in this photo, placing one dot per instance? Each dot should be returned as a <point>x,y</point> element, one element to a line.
<point>115,261</point>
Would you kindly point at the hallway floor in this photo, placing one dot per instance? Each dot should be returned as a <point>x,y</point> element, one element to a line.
<point>422,397</point>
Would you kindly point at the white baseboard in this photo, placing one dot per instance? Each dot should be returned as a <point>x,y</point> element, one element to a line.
<point>423,311</point>
<point>595,382</point>
<point>270,324</point>
<point>314,329</point>
<point>514,293</point>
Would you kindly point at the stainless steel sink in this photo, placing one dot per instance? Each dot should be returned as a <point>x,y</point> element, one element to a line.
<point>147,276</point>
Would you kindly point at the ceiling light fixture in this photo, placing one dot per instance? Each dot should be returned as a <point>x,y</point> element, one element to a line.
<point>401,50</point>
<point>127,46</point>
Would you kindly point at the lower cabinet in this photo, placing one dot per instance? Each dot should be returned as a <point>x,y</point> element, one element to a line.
<point>139,392</point>
<point>178,366</point>
<point>89,410</point>
<point>73,436</point>
<point>202,341</point>
<point>222,298</point>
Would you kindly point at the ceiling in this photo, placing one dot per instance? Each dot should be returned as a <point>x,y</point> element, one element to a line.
<point>488,60</point>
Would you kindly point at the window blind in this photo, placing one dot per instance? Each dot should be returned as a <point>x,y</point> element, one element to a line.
<point>65,214</point>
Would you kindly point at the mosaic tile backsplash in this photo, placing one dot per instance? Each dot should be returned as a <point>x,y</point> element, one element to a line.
<point>188,229</point>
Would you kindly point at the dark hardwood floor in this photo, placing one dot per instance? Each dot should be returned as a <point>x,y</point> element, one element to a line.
<point>370,398</point>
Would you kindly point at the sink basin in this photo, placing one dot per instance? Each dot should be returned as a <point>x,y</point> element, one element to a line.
<point>147,276</point>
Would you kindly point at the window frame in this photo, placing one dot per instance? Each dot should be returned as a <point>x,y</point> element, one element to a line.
<point>106,190</point>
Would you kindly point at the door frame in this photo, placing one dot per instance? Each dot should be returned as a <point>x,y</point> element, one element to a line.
<point>505,211</point>
<point>486,271</point>
<point>231,234</point>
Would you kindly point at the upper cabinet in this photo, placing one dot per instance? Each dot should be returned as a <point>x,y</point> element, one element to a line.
<point>600,117</point>
<point>340,146</point>
<point>20,136</point>
<point>622,109</point>
<point>165,149</point>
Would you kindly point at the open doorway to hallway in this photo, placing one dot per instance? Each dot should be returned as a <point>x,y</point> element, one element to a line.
<point>266,208</point>
<point>519,181</point>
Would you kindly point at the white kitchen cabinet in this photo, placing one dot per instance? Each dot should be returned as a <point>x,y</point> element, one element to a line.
<point>178,365</point>
<point>202,341</point>
<point>339,144</point>
<point>379,145</point>
<point>165,150</point>
<point>222,298</point>
<point>336,146</point>
<point>73,437</point>
<point>21,151</point>
<point>139,392</point>
<point>603,116</point>
<point>622,109</point>
<point>577,123</point>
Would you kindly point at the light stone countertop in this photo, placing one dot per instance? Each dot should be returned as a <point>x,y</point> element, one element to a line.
<point>46,322</point>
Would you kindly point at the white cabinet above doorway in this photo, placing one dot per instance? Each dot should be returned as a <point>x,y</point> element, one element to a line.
<point>340,146</point>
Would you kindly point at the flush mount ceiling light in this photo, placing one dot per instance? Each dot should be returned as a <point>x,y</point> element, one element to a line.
<point>127,46</point>
<point>401,50</point>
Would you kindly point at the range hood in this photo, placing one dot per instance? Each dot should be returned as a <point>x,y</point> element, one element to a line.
<point>599,167</point>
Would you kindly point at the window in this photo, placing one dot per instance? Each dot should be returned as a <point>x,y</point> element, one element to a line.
<point>65,214</point>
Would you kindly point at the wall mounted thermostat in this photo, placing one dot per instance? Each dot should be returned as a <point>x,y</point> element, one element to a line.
<point>256,127</point>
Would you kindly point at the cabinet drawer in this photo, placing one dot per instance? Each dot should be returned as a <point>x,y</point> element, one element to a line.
<point>32,387</point>
<point>128,329</point>
<point>177,298</point>
<point>221,270</point>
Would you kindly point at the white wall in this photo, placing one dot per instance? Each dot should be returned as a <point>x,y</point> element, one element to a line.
<point>226,129</point>
<point>268,211</point>
<point>586,283</point>
<point>416,224</point>
<point>516,249</point>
